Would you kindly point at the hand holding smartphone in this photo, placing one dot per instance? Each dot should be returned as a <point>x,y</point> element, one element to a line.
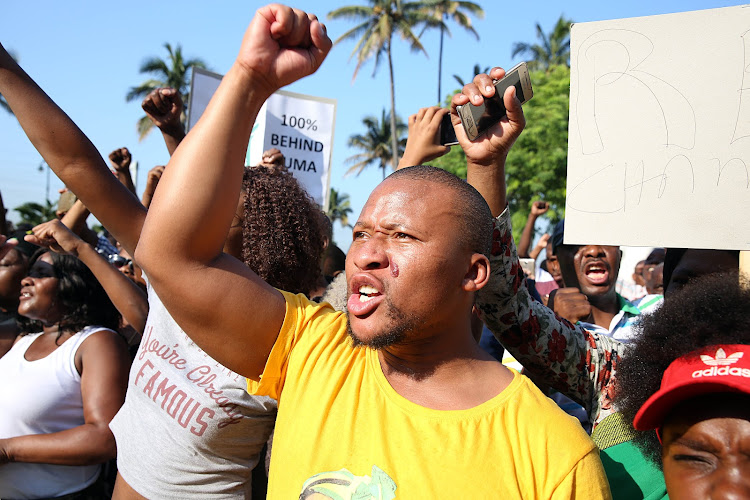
<point>477,119</point>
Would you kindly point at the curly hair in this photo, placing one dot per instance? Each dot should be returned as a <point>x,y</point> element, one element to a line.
<point>714,309</point>
<point>282,233</point>
<point>83,299</point>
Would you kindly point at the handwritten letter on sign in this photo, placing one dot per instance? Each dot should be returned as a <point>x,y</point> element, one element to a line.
<point>659,137</point>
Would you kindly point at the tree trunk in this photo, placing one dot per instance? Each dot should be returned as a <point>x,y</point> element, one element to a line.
<point>440,66</point>
<point>394,132</point>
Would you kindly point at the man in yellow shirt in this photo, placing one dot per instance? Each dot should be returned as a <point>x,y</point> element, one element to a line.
<point>394,399</point>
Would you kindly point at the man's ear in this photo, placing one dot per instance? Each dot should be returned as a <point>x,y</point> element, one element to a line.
<point>478,274</point>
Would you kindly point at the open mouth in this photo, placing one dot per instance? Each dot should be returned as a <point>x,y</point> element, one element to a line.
<point>597,273</point>
<point>365,296</point>
<point>367,293</point>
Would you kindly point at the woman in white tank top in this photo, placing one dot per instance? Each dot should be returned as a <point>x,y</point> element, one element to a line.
<point>63,380</point>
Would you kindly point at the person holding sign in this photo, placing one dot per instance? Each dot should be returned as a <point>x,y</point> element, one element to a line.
<point>379,400</point>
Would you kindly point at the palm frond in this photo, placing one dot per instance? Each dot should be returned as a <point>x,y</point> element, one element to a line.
<point>145,125</point>
<point>143,89</point>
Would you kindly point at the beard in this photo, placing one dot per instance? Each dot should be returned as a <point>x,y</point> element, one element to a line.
<point>399,325</point>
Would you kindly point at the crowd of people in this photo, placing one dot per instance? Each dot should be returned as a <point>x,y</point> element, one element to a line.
<point>226,348</point>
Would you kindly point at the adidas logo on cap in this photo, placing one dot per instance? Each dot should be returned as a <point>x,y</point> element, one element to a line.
<point>720,365</point>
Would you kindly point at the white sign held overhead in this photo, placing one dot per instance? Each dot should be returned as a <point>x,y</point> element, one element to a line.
<point>300,126</point>
<point>659,136</point>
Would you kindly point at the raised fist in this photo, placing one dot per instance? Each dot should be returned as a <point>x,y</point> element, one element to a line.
<point>272,158</point>
<point>164,107</point>
<point>282,45</point>
<point>120,159</point>
<point>571,304</point>
<point>539,208</point>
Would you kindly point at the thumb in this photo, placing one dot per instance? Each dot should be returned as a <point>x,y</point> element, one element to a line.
<point>513,109</point>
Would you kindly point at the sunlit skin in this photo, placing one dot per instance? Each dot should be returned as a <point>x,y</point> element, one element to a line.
<point>403,247</point>
<point>38,298</point>
<point>706,448</point>
<point>595,269</point>
<point>404,230</point>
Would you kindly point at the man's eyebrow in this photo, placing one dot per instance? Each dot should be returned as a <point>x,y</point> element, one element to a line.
<point>696,445</point>
<point>394,225</point>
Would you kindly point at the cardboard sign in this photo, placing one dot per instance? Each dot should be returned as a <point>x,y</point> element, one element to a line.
<point>659,135</point>
<point>300,126</point>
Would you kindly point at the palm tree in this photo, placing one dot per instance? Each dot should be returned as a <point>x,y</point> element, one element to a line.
<point>170,73</point>
<point>477,70</point>
<point>34,213</point>
<point>378,23</point>
<point>552,50</point>
<point>456,11</point>
<point>375,144</point>
<point>339,208</point>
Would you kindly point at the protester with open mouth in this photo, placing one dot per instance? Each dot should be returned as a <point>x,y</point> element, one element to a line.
<point>590,275</point>
<point>421,393</point>
<point>64,380</point>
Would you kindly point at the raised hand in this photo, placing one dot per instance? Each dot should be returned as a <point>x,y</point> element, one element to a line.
<point>152,180</point>
<point>272,158</point>
<point>55,236</point>
<point>282,45</point>
<point>423,143</point>
<point>120,159</point>
<point>539,208</point>
<point>494,144</point>
<point>164,107</point>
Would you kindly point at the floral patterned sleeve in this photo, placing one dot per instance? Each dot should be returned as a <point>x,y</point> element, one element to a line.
<point>576,362</point>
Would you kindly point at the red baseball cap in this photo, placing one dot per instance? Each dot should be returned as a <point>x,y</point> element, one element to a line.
<point>718,368</point>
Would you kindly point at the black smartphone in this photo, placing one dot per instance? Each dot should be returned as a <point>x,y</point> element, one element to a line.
<point>447,132</point>
<point>477,119</point>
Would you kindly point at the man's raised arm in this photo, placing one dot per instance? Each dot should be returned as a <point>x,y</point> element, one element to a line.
<point>575,362</point>
<point>223,306</point>
<point>70,154</point>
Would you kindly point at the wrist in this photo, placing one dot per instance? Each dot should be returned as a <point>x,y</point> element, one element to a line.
<point>6,451</point>
<point>173,130</point>
<point>258,87</point>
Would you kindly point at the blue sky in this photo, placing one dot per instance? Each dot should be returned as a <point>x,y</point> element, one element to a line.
<point>86,55</point>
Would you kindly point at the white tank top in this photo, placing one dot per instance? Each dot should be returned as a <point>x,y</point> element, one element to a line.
<point>42,397</point>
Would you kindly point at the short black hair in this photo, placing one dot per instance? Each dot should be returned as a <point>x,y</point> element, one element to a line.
<point>656,256</point>
<point>713,309</point>
<point>476,217</point>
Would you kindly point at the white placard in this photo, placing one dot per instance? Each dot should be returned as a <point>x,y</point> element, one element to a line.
<point>659,136</point>
<point>300,126</point>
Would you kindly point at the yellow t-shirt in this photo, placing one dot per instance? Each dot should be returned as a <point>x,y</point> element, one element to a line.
<point>342,432</point>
